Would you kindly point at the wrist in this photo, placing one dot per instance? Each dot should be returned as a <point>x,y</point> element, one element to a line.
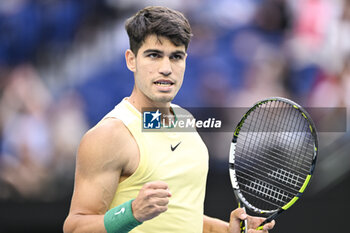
<point>121,219</point>
<point>133,208</point>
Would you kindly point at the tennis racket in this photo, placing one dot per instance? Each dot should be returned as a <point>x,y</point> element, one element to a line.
<point>272,157</point>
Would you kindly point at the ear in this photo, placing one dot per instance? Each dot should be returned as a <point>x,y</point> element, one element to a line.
<point>130,59</point>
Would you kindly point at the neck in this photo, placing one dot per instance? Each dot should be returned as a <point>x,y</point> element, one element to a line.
<point>145,102</point>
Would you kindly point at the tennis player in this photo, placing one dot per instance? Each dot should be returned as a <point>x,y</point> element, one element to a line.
<point>129,180</point>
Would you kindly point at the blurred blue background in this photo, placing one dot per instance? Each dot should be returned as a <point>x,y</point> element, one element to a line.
<point>62,69</point>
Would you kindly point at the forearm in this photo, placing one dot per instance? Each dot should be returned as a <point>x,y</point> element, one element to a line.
<point>214,225</point>
<point>84,224</point>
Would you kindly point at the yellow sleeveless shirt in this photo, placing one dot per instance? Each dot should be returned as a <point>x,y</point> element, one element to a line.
<point>183,169</point>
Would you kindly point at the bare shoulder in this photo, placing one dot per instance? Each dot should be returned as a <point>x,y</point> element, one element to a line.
<point>108,145</point>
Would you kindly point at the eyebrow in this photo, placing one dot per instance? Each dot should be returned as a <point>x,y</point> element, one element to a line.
<point>160,52</point>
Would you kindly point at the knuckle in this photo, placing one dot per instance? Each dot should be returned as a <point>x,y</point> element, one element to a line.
<point>151,184</point>
<point>147,185</point>
<point>166,201</point>
<point>148,193</point>
<point>163,200</point>
<point>162,209</point>
<point>164,184</point>
<point>234,214</point>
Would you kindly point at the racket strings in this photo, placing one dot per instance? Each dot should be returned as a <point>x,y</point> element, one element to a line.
<point>280,175</point>
<point>277,150</point>
<point>283,137</point>
<point>277,159</point>
<point>267,191</point>
<point>302,125</point>
<point>262,161</point>
<point>263,184</point>
<point>303,150</point>
<point>271,176</point>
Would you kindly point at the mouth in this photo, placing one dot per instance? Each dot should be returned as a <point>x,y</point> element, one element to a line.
<point>164,83</point>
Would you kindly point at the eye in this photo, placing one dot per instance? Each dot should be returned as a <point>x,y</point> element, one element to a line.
<point>153,55</point>
<point>177,57</point>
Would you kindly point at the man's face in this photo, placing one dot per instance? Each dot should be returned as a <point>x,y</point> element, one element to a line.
<point>158,69</point>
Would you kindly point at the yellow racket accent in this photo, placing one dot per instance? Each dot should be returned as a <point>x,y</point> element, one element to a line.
<point>289,204</point>
<point>305,184</point>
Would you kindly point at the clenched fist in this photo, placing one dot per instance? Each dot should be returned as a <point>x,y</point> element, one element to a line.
<point>151,201</point>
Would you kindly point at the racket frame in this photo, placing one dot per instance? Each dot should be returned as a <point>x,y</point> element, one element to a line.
<point>242,202</point>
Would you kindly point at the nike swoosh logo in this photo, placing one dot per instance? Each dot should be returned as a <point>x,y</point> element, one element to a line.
<point>120,211</point>
<point>174,148</point>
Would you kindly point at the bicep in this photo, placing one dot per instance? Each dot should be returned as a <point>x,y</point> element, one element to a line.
<point>90,201</point>
<point>97,175</point>
<point>94,193</point>
<point>92,196</point>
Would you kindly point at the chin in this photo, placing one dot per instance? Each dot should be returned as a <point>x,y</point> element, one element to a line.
<point>163,99</point>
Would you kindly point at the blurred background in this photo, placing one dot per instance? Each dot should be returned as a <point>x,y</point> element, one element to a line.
<point>62,69</point>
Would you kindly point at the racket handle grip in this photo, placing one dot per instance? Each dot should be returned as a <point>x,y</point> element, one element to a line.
<point>244,224</point>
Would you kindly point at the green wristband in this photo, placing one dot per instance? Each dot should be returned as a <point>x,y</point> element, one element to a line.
<point>120,219</point>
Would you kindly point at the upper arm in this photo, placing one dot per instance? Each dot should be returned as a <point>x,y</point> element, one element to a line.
<point>102,155</point>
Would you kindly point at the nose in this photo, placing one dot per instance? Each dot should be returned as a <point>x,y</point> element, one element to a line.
<point>165,67</point>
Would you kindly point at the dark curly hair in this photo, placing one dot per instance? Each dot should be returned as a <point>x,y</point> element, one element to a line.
<point>160,21</point>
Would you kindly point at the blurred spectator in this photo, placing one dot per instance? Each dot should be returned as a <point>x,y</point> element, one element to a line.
<point>311,23</point>
<point>345,79</point>
<point>337,87</point>
<point>26,147</point>
<point>39,136</point>
<point>336,47</point>
<point>334,78</point>
<point>265,77</point>
<point>67,126</point>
